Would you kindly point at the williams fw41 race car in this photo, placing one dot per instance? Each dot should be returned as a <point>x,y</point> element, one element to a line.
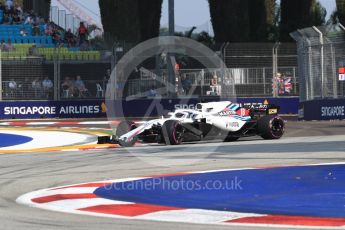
<point>214,120</point>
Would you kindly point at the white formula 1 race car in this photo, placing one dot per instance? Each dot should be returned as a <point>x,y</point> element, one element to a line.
<point>214,120</point>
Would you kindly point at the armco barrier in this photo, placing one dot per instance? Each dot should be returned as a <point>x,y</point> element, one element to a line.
<point>327,109</point>
<point>134,108</point>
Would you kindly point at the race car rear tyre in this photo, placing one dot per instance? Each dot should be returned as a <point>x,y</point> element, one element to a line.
<point>271,127</point>
<point>172,131</point>
<point>123,128</point>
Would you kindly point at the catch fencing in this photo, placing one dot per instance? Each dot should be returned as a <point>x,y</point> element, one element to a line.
<point>247,82</point>
<point>252,70</point>
<point>34,78</point>
<point>321,62</point>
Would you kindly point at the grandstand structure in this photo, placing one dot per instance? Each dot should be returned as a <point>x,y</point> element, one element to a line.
<point>44,43</point>
<point>79,12</point>
<point>30,54</point>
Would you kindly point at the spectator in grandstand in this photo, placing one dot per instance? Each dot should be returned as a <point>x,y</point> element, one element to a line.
<point>49,29</point>
<point>16,19</point>
<point>43,26</point>
<point>82,33</point>
<point>214,80</point>
<point>67,87</point>
<point>2,45</point>
<point>12,84</point>
<point>28,20</point>
<point>47,85</point>
<point>36,84</point>
<point>57,40</point>
<point>6,19</point>
<point>24,32</point>
<point>18,10</point>
<point>186,84</point>
<point>9,11</point>
<point>214,85</point>
<point>32,14</point>
<point>79,84</point>
<point>106,78</point>
<point>69,38</point>
<point>37,20</point>
<point>9,3</point>
<point>26,85</point>
<point>152,92</point>
<point>13,87</point>
<point>36,29</point>
<point>8,46</point>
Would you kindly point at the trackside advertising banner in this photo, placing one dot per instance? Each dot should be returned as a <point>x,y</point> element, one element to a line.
<point>134,108</point>
<point>328,109</point>
<point>52,109</point>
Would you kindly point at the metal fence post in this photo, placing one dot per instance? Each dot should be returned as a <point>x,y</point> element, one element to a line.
<point>294,79</point>
<point>56,82</point>
<point>275,68</point>
<point>334,73</point>
<point>341,84</point>
<point>322,60</point>
<point>264,79</point>
<point>309,81</point>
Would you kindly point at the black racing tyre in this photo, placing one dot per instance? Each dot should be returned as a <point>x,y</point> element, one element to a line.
<point>172,132</point>
<point>271,127</point>
<point>123,128</point>
<point>230,139</point>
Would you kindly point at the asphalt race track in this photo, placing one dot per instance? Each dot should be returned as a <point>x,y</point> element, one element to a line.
<point>304,143</point>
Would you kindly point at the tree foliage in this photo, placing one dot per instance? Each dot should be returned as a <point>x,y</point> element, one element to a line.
<point>297,14</point>
<point>205,39</point>
<point>340,13</point>
<point>230,20</point>
<point>261,18</point>
<point>319,14</point>
<point>242,20</point>
<point>132,21</point>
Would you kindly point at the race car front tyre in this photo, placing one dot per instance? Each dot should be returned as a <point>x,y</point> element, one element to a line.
<point>123,128</point>
<point>172,131</point>
<point>271,127</point>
